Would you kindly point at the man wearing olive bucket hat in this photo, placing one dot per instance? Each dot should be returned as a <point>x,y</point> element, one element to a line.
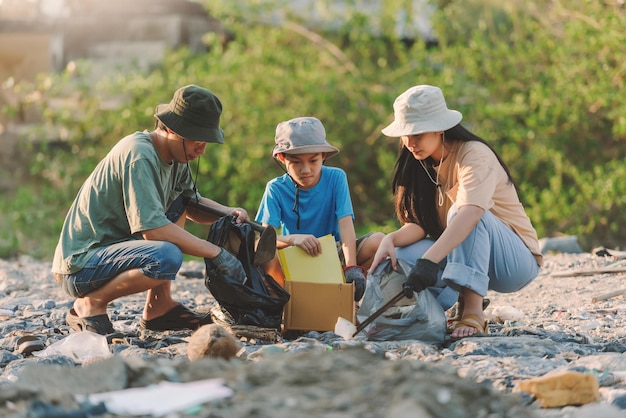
<point>124,233</point>
<point>463,223</point>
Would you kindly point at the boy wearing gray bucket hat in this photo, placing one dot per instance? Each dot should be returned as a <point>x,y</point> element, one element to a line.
<point>464,226</point>
<point>312,200</point>
<point>124,233</point>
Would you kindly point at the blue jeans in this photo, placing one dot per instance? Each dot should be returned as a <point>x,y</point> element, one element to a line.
<point>155,259</point>
<point>492,257</point>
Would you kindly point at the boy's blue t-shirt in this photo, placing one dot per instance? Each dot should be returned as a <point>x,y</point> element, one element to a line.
<point>320,207</point>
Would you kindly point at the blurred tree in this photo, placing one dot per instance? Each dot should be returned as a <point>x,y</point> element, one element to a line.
<point>541,80</point>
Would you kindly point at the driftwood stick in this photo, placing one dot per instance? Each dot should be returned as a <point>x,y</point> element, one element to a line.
<point>259,333</point>
<point>620,255</point>
<point>592,272</point>
<point>608,295</point>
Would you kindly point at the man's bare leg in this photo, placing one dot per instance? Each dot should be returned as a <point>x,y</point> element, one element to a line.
<point>158,302</point>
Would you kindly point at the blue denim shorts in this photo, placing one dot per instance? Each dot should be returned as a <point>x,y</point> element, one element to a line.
<point>158,260</point>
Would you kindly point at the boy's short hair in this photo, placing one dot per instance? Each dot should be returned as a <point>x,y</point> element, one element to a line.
<point>302,136</point>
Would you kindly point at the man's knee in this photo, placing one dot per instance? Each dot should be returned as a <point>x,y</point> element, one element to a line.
<point>171,257</point>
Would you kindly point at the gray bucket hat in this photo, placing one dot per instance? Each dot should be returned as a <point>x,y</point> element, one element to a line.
<point>301,136</point>
<point>193,113</point>
<point>421,109</point>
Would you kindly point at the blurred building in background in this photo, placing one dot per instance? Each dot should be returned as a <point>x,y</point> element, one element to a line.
<point>44,35</point>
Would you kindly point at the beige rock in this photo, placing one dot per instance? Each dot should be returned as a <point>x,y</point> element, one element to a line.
<point>212,341</point>
<point>500,314</point>
<point>563,388</point>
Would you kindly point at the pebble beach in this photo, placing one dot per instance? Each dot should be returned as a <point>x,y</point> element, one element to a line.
<point>570,319</point>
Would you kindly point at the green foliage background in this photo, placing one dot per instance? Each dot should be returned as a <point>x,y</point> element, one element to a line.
<point>543,81</point>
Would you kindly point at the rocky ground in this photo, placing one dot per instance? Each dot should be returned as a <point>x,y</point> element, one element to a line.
<point>561,322</point>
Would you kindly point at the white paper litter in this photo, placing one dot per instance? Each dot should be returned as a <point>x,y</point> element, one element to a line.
<point>6,313</point>
<point>344,328</point>
<point>161,399</point>
<point>80,346</point>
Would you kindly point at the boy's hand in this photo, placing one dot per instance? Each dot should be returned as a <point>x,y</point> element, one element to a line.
<point>358,276</point>
<point>228,265</point>
<point>308,243</point>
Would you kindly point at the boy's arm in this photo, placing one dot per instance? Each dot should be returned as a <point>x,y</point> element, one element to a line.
<point>307,242</point>
<point>353,273</point>
<point>348,240</point>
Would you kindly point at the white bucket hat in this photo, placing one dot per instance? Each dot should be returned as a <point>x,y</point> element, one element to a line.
<point>421,109</point>
<point>302,136</point>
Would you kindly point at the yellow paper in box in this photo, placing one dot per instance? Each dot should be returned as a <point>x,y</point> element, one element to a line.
<point>301,267</point>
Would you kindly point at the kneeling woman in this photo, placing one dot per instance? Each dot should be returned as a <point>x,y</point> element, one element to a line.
<point>463,220</point>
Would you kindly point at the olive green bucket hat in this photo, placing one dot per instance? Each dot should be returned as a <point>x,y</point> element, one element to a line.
<point>193,113</point>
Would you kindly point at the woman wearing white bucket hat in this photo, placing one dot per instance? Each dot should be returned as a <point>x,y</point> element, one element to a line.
<point>463,223</point>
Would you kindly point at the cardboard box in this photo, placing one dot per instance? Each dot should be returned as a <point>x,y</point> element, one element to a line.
<point>316,306</point>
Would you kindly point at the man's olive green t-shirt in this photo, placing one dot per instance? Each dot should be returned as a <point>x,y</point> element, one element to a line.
<point>128,192</point>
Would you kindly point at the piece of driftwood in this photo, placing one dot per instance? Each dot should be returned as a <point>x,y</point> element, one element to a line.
<point>607,252</point>
<point>257,333</point>
<point>608,295</point>
<point>591,272</point>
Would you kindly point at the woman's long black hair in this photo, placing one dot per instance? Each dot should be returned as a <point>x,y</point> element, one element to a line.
<point>414,192</point>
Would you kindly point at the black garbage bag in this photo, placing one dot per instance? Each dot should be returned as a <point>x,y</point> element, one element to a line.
<point>260,300</point>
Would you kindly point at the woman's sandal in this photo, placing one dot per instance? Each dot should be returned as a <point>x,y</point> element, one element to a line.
<point>177,318</point>
<point>473,321</point>
<point>458,312</point>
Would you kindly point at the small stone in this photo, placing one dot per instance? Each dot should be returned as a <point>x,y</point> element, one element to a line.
<point>212,341</point>
<point>501,314</point>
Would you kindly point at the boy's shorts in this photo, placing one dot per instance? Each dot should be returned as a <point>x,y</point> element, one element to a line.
<point>359,245</point>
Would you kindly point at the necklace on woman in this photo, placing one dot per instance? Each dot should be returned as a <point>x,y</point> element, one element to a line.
<point>436,179</point>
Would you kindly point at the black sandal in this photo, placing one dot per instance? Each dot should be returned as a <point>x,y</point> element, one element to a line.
<point>177,318</point>
<point>100,324</point>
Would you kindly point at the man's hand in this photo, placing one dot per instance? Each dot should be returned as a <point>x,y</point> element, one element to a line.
<point>241,214</point>
<point>226,264</point>
<point>422,275</point>
<point>356,275</point>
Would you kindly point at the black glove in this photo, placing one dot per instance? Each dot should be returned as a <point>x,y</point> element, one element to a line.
<point>356,275</point>
<point>226,264</point>
<point>422,275</point>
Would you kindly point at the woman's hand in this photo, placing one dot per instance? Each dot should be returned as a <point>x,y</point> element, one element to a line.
<point>386,249</point>
<point>308,243</point>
